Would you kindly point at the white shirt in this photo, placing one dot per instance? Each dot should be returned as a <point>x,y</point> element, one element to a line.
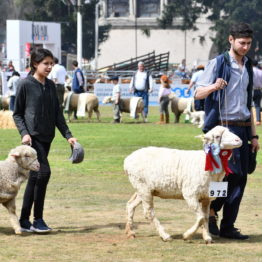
<point>116,89</point>
<point>12,85</point>
<point>58,74</point>
<point>140,81</point>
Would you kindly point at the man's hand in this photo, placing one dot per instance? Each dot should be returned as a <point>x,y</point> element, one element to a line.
<point>220,83</point>
<point>255,145</point>
<point>27,140</point>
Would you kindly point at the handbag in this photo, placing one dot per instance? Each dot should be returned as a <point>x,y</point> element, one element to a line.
<point>252,160</point>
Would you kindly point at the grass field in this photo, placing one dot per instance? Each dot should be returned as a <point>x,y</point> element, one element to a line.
<point>85,203</point>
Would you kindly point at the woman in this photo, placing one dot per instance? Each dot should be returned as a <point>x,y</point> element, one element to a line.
<point>163,99</point>
<point>36,115</point>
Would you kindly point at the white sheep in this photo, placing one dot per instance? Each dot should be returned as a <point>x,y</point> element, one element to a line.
<point>196,117</point>
<point>92,104</point>
<point>178,105</point>
<point>177,174</point>
<point>13,172</point>
<point>125,105</point>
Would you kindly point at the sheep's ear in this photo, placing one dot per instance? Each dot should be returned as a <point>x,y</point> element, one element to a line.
<point>201,137</point>
<point>15,154</point>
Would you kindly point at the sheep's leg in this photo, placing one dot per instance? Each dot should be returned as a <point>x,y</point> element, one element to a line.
<point>205,233</point>
<point>197,206</point>
<point>97,114</point>
<point>148,206</point>
<point>177,117</point>
<point>90,112</point>
<point>10,205</point>
<point>131,205</point>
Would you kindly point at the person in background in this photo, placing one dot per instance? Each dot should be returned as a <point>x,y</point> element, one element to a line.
<point>257,79</point>
<point>163,99</point>
<point>199,104</point>
<point>12,86</point>
<point>141,85</point>
<point>78,82</point>
<point>36,115</point>
<point>227,85</point>
<point>116,94</point>
<point>58,75</point>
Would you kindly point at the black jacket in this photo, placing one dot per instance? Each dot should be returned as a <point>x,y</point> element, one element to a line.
<point>37,110</point>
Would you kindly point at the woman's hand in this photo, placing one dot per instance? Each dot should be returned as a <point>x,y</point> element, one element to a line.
<point>72,140</point>
<point>27,140</point>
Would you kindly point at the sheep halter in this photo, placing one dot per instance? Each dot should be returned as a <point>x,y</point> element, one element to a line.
<point>217,160</point>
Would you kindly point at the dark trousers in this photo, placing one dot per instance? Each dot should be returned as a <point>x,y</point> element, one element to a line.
<point>37,183</point>
<point>257,100</point>
<point>144,95</point>
<point>236,181</point>
<point>164,102</point>
<point>199,105</point>
<point>12,103</point>
<point>60,90</point>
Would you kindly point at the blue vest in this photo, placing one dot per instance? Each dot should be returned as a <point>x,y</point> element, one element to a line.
<point>75,85</point>
<point>223,70</point>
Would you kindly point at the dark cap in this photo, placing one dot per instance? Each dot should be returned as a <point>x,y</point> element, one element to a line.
<point>114,78</point>
<point>78,153</point>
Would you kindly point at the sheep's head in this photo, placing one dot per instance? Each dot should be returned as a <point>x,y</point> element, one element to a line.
<point>107,99</point>
<point>26,157</point>
<point>222,136</point>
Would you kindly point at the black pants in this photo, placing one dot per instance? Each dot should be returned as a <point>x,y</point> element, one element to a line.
<point>257,99</point>
<point>37,183</point>
<point>236,181</point>
<point>60,90</point>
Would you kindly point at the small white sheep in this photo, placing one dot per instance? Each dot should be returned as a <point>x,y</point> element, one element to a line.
<point>125,105</point>
<point>177,174</point>
<point>178,105</point>
<point>196,117</point>
<point>13,172</point>
<point>92,104</point>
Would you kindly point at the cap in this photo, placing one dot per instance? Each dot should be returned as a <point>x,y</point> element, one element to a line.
<point>78,153</point>
<point>165,79</point>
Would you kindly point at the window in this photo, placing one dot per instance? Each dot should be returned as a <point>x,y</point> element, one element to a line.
<point>148,8</point>
<point>117,8</point>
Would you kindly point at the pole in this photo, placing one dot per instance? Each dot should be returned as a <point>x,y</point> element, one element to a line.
<point>185,54</point>
<point>79,34</point>
<point>96,36</point>
<point>135,14</point>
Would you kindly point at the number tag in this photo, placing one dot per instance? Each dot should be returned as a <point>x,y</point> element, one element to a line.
<point>218,189</point>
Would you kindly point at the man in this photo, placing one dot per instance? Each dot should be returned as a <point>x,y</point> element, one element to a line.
<point>257,90</point>
<point>58,75</point>
<point>78,81</point>
<point>199,104</point>
<point>227,86</point>
<point>141,85</point>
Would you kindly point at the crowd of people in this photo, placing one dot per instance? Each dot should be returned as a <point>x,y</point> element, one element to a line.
<point>225,89</point>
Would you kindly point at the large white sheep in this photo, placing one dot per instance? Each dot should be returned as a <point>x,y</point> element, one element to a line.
<point>13,172</point>
<point>177,174</point>
<point>125,105</point>
<point>92,104</point>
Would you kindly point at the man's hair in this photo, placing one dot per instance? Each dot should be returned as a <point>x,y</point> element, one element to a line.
<point>141,63</point>
<point>75,63</point>
<point>241,30</point>
<point>56,60</point>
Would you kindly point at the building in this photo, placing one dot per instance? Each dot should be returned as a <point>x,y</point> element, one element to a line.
<point>135,31</point>
<point>21,36</point>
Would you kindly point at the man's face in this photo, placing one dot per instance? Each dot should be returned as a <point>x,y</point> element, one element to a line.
<point>141,68</point>
<point>240,46</point>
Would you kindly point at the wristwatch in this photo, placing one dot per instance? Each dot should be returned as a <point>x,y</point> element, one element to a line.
<point>255,137</point>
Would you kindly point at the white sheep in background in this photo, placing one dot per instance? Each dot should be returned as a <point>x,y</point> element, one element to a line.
<point>13,172</point>
<point>196,117</point>
<point>179,105</point>
<point>177,174</point>
<point>125,105</point>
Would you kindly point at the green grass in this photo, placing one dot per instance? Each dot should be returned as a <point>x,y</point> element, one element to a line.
<point>85,203</point>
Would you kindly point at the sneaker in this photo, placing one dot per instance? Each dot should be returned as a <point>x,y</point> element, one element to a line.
<point>39,226</point>
<point>26,225</point>
<point>212,225</point>
<point>233,233</point>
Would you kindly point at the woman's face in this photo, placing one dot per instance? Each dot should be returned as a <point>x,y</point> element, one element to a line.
<point>44,67</point>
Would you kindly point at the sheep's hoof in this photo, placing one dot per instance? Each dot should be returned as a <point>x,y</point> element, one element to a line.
<point>167,238</point>
<point>186,236</point>
<point>18,232</point>
<point>209,241</point>
<point>131,235</point>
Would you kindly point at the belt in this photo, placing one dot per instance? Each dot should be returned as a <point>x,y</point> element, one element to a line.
<point>234,123</point>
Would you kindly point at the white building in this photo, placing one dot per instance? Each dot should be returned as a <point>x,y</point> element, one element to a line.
<point>21,35</point>
<point>131,19</point>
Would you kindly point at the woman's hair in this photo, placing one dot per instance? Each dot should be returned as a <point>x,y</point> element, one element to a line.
<point>15,73</point>
<point>38,56</point>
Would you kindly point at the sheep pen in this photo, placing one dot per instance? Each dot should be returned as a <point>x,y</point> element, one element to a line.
<point>175,174</point>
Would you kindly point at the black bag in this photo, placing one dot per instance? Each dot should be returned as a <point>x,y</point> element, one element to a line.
<point>252,162</point>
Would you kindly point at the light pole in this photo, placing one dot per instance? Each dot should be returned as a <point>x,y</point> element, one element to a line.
<point>79,34</point>
<point>96,34</point>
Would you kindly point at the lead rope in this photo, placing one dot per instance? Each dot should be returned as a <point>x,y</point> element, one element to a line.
<point>219,108</point>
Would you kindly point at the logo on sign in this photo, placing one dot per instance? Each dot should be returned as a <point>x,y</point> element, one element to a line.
<point>39,32</point>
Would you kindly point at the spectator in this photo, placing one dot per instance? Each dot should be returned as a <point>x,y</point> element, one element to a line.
<point>257,80</point>
<point>12,85</point>
<point>58,75</point>
<point>141,85</point>
<point>116,95</point>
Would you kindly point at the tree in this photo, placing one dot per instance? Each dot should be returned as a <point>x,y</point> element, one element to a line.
<point>224,13</point>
